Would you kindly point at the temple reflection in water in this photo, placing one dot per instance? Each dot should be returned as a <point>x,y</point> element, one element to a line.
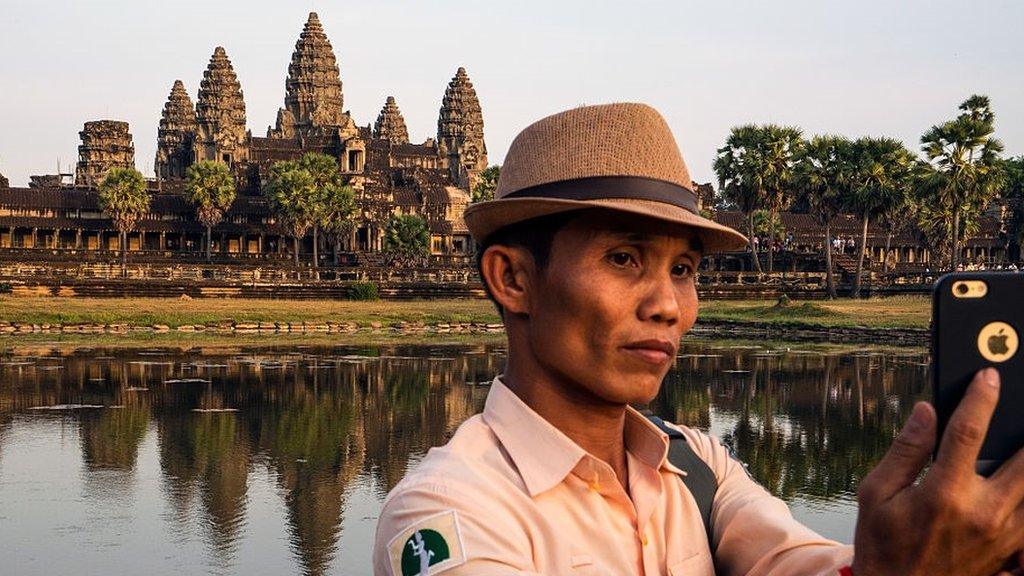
<point>233,432</point>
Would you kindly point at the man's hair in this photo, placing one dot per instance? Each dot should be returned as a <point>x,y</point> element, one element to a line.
<point>535,234</point>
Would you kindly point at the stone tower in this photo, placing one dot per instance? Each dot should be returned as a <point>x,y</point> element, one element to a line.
<point>460,131</point>
<point>313,99</point>
<point>4,182</point>
<point>176,135</point>
<point>220,114</point>
<point>390,125</point>
<point>105,144</point>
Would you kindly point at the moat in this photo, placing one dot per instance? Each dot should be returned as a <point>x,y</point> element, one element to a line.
<point>243,460</point>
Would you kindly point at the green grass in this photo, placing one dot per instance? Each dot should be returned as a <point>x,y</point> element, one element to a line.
<point>891,312</point>
<point>174,312</point>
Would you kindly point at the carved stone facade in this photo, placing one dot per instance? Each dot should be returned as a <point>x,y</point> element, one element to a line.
<point>4,182</point>
<point>313,102</point>
<point>390,124</point>
<point>220,114</point>
<point>176,135</point>
<point>389,175</point>
<point>460,131</point>
<point>105,144</point>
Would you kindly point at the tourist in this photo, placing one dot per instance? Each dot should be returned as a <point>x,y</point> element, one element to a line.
<point>589,252</point>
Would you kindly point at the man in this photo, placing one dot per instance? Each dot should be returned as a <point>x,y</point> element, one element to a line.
<point>589,251</point>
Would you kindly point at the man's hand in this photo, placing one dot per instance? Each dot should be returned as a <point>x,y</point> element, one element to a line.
<point>953,521</point>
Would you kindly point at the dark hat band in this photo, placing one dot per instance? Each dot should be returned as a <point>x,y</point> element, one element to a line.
<point>613,187</point>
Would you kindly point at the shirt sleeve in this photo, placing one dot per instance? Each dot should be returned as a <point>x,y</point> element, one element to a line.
<point>486,541</point>
<point>754,532</point>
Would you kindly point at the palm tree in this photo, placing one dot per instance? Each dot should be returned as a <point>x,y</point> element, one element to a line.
<point>123,197</point>
<point>735,166</point>
<point>963,172</point>
<point>327,186</point>
<point>1013,169</point>
<point>881,177</point>
<point>407,239</point>
<point>210,187</point>
<point>782,146</point>
<point>339,207</point>
<point>897,217</point>
<point>290,191</point>
<point>755,171</point>
<point>823,177</point>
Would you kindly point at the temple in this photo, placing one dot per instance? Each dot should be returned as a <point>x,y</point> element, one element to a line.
<point>389,174</point>
<point>58,218</point>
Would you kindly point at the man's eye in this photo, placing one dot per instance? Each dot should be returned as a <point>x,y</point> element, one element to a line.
<point>682,270</point>
<point>621,258</point>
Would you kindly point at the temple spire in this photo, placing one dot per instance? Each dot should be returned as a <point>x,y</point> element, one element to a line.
<point>390,124</point>
<point>105,144</point>
<point>460,131</point>
<point>313,96</point>
<point>220,113</point>
<point>176,135</point>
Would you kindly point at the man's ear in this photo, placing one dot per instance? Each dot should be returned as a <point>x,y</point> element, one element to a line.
<point>507,271</point>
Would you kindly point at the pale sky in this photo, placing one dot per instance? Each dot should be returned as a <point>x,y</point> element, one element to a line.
<point>853,68</point>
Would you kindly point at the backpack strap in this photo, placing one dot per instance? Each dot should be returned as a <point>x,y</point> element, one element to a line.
<point>700,480</point>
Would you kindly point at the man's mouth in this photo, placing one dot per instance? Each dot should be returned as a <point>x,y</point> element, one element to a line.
<point>653,351</point>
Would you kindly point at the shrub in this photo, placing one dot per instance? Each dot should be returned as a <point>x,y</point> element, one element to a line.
<point>362,291</point>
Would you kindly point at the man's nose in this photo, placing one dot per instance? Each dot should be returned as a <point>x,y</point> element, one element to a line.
<point>660,301</point>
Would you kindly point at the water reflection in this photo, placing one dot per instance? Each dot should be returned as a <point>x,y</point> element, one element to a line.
<point>255,446</point>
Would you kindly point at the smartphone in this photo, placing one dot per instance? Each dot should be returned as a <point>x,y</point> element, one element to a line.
<point>977,322</point>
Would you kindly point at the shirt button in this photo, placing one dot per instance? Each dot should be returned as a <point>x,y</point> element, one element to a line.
<point>643,538</point>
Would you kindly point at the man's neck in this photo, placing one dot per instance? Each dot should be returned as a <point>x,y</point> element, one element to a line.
<point>596,426</point>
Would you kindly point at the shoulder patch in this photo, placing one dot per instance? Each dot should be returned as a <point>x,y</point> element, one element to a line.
<point>430,546</point>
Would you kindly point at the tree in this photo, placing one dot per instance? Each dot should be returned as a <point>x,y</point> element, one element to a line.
<point>1013,189</point>
<point>339,206</point>
<point>963,171</point>
<point>210,188</point>
<point>782,146</point>
<point>123,197</point>
<point>328,194</point>
<point>755,171</point>
<point>407,239</point>
<point>822,180</point>
<point>768,225</point>
<point>897,216</point>
<point>291,193</point>
<point>488,183</point>
<point>881,178</point>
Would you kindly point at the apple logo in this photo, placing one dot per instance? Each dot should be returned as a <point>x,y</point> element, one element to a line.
<point>997,343</point>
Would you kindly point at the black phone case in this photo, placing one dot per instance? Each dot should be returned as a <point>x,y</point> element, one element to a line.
<point>956,323</point>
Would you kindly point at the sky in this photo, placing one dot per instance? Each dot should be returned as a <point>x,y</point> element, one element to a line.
<point>877,68</point>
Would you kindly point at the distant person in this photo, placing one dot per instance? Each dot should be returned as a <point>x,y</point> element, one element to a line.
<point>589,252</point>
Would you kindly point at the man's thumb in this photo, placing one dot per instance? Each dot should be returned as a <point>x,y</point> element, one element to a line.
<point>907,456</point>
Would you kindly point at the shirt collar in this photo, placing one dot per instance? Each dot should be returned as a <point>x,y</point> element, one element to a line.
<point>544,455</point>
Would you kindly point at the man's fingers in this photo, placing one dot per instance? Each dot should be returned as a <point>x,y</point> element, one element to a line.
<point>906,457</point>
<point>966,430</point>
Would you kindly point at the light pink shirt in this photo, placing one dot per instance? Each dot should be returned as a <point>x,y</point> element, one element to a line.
<point>528,500</point>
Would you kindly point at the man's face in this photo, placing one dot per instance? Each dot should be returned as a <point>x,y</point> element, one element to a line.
<point>607,312</point>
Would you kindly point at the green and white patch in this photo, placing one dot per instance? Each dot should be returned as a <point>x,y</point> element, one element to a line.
<point>430,546</point>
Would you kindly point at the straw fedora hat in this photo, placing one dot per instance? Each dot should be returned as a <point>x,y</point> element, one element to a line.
<point>615,156</point>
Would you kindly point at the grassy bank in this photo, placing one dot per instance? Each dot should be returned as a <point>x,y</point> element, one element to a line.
<point>174,312</point>
<point>894,312</point>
